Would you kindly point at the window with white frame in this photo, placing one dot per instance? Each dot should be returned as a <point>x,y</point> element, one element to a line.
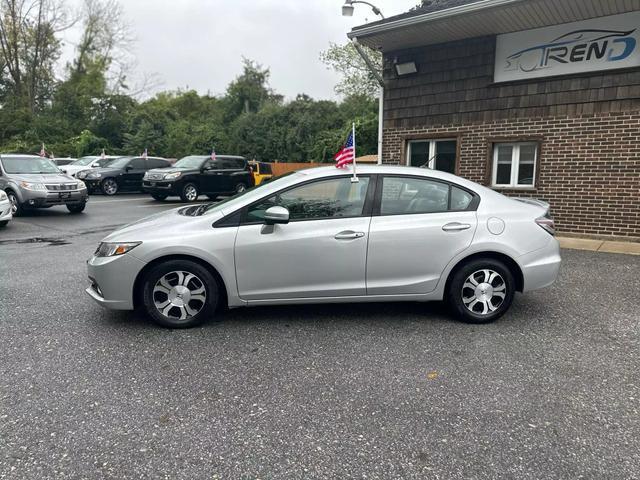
<point>435,154</point>
<point>514,164</point>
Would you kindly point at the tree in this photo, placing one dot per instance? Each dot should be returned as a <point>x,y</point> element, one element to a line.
<point>250,91</point>
<point>356,78</point>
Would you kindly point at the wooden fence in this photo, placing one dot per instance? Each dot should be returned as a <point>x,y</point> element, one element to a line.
<point>282,168</point>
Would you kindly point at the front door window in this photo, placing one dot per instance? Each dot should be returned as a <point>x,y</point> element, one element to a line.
<point>434,154</point>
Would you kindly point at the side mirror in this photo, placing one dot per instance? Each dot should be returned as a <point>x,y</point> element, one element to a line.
<point>275,215</point>
<point>128,167</point>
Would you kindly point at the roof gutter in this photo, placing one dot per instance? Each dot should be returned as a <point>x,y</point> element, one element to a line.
<point>429,17</point>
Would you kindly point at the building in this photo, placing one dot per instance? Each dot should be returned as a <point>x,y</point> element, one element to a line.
<point>536,98</point>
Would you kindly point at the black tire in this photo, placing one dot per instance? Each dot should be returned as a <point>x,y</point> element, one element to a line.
<point>159,196</point>
<point>4,223</point>
<point>76,207</point>
<point>203,280</point>
<point>189,192</point>
<point>16,208</point>
<point>109,186</point>
<point>212,197</point>
<point>240,187</point>
<point>470,304</point>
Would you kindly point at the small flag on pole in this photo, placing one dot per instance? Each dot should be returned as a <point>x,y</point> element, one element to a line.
<point>144,154</point>
<point>103,155</point>
<point>213,154</point>
<point>43,152</point>
<point>347,153</point>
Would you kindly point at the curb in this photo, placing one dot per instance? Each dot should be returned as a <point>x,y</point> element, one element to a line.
<point>603,246</point>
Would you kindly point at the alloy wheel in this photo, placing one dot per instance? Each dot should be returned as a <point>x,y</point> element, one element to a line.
<point>191,193</point>
<point>179,295</point>
<point>240,188</point>
<point>109,186</point>
<point>483,292</point>
<point>14,203</point>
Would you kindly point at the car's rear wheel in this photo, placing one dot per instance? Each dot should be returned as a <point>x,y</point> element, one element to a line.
<point>481,291</point>
<point>159,196</point>
<point>189,193</point>
<point>109,186</point>
<point>16,208</point>
<point>240,187</point>
<point>76,207</point>
<point>180,294</point>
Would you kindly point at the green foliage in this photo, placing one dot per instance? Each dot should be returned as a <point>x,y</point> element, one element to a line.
<point>83,113</point>
<point>356,78</point>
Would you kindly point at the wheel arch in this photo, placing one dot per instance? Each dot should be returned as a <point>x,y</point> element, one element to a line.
<point>137,284</point>
<point>511,264</point>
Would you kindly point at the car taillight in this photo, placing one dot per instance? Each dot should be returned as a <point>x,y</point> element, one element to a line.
<point>547,223</point>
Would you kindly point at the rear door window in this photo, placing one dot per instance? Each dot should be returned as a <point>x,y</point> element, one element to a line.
<point>138,164</point>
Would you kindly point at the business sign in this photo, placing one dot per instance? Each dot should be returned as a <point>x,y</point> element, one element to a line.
<point>603,43</point>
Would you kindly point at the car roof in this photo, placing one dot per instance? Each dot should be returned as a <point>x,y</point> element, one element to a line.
<point>21,155</point>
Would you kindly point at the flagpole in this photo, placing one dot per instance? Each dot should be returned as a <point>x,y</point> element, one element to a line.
<point>354,179</point>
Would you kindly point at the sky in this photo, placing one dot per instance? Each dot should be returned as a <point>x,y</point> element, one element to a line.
<point>199,44</point>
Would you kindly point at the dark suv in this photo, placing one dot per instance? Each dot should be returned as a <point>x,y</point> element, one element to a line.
<point>190,176</point>
<point>124,173</point>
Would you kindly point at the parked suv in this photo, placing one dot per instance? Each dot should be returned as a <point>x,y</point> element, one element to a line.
<point>199,174</point>
<point>124,173</point>
<point>262,172</point>
<point>36,182</point>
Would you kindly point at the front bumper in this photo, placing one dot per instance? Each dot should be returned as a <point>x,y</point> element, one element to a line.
<point>39,199</point>
<point>112,280</point>
<point>5,211</point>
<point>165,188</point>
<point>540,268</point>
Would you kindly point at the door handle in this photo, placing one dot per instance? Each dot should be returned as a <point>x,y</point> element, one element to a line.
<point>456,227</point>
<point>349,235</point>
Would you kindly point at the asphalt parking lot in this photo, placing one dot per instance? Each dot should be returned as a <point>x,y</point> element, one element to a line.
<point>552,390</point>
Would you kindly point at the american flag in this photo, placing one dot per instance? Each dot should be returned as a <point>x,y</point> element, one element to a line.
<point>213,155</point>
<point>103,155</point>
<point>347,153</point>
<point>144,154</point>
<point>43,152</point>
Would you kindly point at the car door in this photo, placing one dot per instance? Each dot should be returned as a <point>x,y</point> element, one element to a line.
<point>211,180</point>
<point>134,171</point>
<point>418,225</point>
<point>321,252</point>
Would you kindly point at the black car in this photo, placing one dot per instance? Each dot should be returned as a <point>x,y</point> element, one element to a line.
<point>121,174</point>
<point>199,174</point>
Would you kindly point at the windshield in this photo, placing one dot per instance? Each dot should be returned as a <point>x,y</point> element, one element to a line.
<point>29,165</point>
<point>213,207</point>
<point>84,161</point>
<point>118,162</point>
<point>192,161</point>
<point>103,162</point>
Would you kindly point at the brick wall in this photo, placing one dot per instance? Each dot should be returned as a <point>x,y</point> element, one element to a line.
<point>589,166</point>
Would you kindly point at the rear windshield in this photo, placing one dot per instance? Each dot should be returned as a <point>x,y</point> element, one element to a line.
<point>28,165</point>
<point>265,169</point>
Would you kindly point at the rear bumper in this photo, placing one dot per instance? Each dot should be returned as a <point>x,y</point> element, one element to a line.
<point>540,268</point>
<point>112,280</point>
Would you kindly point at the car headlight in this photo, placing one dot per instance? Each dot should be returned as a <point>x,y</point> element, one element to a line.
<point>108,249</point>
<point>93,175</point>
<point>3,195</point>
<point>171,176</point>
<point>81,185</point>
<point>34,186</point>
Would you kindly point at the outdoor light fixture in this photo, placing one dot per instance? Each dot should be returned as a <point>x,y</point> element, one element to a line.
<point>406,68</point>
<point>348,8</point>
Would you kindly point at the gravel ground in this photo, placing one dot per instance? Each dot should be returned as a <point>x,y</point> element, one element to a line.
<point>552,390</point>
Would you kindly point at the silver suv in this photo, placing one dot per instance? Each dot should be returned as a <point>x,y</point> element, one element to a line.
<point>36,182</point>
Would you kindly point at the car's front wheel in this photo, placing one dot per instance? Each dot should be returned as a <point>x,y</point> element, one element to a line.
<point>76,207</point>
<point>109,186</point>
<point>180,294</point>
<point>4,223</point>
<point>481,291</point>
<point>16,208</point>
<point>189,193</point>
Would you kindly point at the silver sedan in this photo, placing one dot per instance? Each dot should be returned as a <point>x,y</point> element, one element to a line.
<point>323,236</point>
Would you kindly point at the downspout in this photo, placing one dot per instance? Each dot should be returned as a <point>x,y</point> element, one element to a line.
<point>378,77</point>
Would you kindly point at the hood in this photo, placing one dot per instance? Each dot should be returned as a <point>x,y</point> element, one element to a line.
<point>42,177</point>
<point>161,225</point>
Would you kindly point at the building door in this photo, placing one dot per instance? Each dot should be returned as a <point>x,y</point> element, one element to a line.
<point>434,154</point>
